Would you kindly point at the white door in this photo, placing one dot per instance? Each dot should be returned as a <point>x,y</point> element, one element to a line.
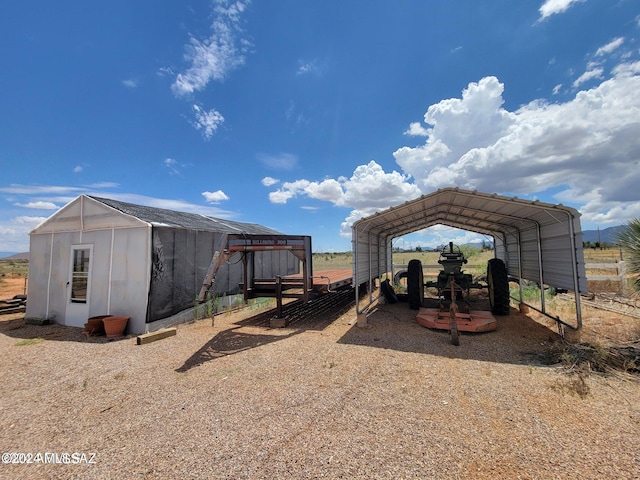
<point>79,286</point>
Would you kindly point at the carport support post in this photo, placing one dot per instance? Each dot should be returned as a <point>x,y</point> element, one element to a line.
<point>542,302</point>
<point>576,284</point>
<point>361,319</point>
<point>370,276</point>
<point>519,245</point>
<point>356,278</point>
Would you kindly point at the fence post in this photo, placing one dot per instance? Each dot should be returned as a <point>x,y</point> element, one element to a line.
<point>622,272</point>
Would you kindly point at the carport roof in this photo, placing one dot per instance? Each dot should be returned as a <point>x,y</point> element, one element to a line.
<point>538,241</point>
<point>489,214</point>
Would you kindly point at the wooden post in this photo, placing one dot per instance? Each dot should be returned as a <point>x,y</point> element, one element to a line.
<point>279,296</point>
<point>278,321</point>
<point>154,336</point>
<point>622,273</point>
<point>219,257</point>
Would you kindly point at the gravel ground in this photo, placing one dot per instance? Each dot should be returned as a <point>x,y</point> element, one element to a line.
<point>322,398</point>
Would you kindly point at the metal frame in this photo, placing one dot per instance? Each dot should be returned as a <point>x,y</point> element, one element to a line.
<point>247,245</point>
<point>554,229</point>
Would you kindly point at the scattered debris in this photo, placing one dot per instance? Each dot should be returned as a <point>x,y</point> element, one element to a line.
<point>17,304</point>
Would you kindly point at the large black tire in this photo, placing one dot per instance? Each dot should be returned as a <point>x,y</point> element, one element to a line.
<point>498,282</point>
<point>397,278</point>
<point>415,284</point>
<point>388,292</point>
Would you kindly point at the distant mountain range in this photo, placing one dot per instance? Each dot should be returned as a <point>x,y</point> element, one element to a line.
<point>14,256</point>
<point>607,235</point>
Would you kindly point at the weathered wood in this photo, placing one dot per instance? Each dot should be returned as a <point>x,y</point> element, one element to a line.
<point>7,311</point>
<point>602,266</point>
<point>154,336</point>
<point>276,322</point>
<point>621,273</point>
<point>219,257</point>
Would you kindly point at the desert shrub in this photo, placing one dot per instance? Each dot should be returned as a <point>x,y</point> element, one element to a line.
<point>629,241</point>
<point>469,251</point>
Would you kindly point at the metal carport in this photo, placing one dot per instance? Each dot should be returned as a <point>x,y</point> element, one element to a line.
<point>539,242</point>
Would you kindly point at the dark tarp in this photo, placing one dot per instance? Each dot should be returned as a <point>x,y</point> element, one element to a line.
<point>181,258</point>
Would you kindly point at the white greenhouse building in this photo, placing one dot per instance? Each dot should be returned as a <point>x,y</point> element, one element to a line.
<point>97,256</point>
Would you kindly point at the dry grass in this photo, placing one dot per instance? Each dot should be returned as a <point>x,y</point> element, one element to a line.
<point>607,255</point>
<point>608,342</point>
<point>14,268</point>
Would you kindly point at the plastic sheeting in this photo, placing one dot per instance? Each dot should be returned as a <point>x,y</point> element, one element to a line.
<point>179,264</point>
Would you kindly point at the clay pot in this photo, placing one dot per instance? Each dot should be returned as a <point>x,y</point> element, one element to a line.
<point>94,325</point>
<point>114,326</point>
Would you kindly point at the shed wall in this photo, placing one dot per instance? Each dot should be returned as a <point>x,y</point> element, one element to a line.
<point>118,280</point>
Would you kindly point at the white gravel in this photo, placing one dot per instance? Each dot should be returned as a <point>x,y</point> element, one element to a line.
<point>320,399</point>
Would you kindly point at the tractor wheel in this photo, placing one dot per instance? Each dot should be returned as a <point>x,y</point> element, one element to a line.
<point>397,278</point>
<point>498,282</point>
<point>415,284</point>
<point>388,292</point>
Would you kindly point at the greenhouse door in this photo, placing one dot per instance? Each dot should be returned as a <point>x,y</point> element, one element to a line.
<point>79,286</point>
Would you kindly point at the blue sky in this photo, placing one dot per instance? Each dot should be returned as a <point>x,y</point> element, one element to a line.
<point>307,115</point>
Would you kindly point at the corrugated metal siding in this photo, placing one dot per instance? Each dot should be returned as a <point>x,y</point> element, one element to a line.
<point>524,231</point>
<point>369,260</point>
<point>271,263</point>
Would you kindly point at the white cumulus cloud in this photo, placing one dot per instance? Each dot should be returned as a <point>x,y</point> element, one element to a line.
<point>595,72</point>
<point>416,130</point>
<point>369,189</point>
<point>610,47</point>
<point>586,150</point>
<point>553,7</point>
<point>476,120</point>
<point>269,181</point>
<point>207,121</point>
<point>14,231</point>
<point>588,147</point>
<point>38,205</point>
<point>214,57</point>
<point>215,197</point>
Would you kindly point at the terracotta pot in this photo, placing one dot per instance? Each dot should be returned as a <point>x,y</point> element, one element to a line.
<point>94,325</point>
<point>114,326</point>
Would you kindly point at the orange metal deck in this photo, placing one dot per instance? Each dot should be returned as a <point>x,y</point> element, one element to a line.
<point>327,280</point>
<point>474,321</point>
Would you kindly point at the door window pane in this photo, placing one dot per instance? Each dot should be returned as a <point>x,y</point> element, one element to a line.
<point>80,275</point>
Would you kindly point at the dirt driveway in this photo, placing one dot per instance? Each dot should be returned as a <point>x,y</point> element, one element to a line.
<point>322,398</point>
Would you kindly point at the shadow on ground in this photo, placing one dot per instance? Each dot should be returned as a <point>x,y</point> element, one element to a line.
<point>255,331</point>
<point>517,340</point>
<point>229,342</point>
<point>15,326</point>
